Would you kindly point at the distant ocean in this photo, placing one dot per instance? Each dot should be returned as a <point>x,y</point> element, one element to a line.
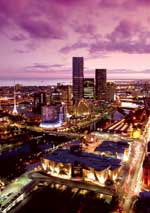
<point>47,82</point>
<point>34,82</point>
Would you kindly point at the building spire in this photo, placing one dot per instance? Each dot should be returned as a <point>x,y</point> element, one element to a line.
<point>15,112</point>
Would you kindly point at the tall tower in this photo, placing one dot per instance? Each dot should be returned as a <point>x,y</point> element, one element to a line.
<point>15,112</point>
<point>78,77</point>
<point>100,76</point>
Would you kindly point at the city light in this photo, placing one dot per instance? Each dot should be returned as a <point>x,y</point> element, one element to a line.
<point>50,126</point>
<point>108,161</point>
<point>136,133</point>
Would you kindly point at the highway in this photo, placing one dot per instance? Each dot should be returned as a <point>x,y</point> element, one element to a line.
<point>132,184</point>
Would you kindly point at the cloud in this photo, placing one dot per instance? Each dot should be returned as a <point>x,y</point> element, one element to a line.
<point>146,71</point>
<point>125,30</point>
<point>110,3</point>
<point>21,51</point>
<point>75,46</point>
<point>54,19</point>
<point>128,37</point>
<point>28,15</point>
<point>19,37</point>
<point>3,21</point>
<point>11,7</point>
<point>68,3</point>
<point>84,28</point>
<point>120,71</point>
<point>41,29</point>
<point>126,71</point>
<point>144,2</point>
<point>123,3</point>
<point>44,68</point>
<point>77,24</point>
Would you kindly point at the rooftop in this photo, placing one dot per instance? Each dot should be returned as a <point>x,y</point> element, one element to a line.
<point>90,156</point>
<point>113,147</point>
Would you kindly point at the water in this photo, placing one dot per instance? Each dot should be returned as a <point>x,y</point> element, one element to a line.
<point>35,82</point>
<point>44,82</point>
<point>13,161</point>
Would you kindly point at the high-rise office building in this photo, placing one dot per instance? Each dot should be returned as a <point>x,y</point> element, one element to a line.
<point>100,76</point>
<point>66,96</point>
<point>88,88</point>
<point>56,96</point>
<point>39,101</point>
<point>78,76</point>
<point>110,91</point>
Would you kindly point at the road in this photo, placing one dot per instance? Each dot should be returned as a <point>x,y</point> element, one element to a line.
<point>19,190</point>
<point>132,185</point>
<point>15,192</point>
<point>72,183</point>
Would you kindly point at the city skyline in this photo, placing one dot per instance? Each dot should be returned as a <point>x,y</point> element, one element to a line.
<point>38,40</point>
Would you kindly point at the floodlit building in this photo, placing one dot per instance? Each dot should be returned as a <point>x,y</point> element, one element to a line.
<point>53,116</point>
<point>88,166</point>
<point>100,164</point>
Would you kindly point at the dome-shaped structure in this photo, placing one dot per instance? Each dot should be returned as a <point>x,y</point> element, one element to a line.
<point>83,108</point>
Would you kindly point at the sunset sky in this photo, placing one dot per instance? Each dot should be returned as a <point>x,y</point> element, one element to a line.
<point>38,38</point>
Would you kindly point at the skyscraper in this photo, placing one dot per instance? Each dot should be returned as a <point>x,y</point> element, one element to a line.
<point>110,91</point>
<point>39,101</point>
<point>88,88</point>
<point>78,77</point>
<point>100,76</point>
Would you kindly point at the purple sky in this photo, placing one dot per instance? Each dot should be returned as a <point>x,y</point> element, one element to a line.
<point>39,37</point>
